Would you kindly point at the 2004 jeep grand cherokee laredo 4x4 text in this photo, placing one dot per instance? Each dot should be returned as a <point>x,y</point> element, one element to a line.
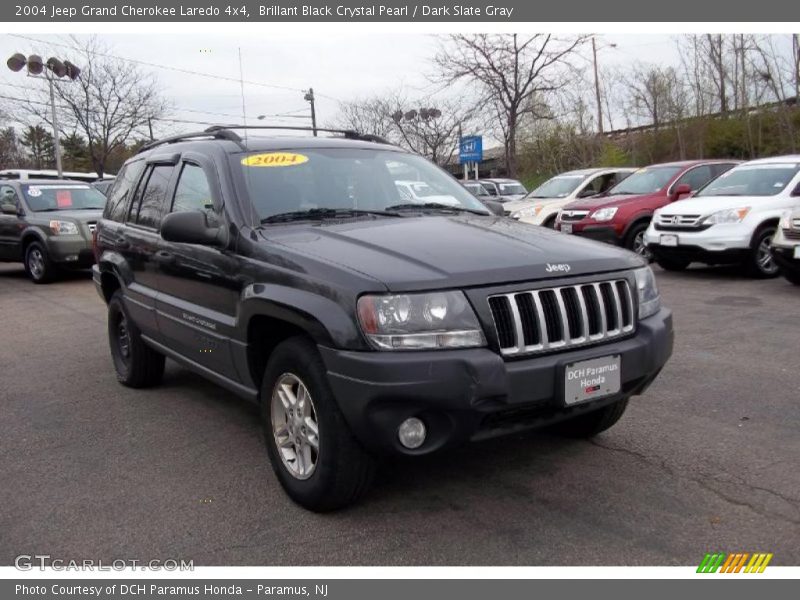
<point>291,271</point>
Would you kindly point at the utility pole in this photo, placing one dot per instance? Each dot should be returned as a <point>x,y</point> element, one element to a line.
<point>309,97</point>
<point>597,89</point>
<point>56,140</point>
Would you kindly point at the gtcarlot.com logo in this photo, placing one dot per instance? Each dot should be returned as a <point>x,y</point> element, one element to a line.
<point>738,562</point>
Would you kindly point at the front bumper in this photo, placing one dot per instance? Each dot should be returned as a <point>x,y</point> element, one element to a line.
<point>607,233</point>
<point>784,258</point>
<point>719,244</point>
<point>474,394</point>
<point>70,251</point>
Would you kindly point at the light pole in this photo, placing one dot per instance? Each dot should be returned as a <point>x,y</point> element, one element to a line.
<point>597,85</point>
<point>309,97</point>
<point>54,67</point>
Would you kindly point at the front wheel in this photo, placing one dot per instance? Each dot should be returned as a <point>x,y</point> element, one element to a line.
<point>760,263</point>
<point>319,463</point>
<point>38,264</point>
<point>634,241</point>
<point>590,424</point>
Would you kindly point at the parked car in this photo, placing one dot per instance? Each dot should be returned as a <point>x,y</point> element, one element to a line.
<point>730,221</point>
<point>48,224</point>
<point>786,246</point>
<point>293,272</point>
<point>477,190</point>
<point>103,186</point>
<point>26,174</point>
<point>419,192</point>
<point>622,215</point>
<point>541,206</point>
<point>504,190</point>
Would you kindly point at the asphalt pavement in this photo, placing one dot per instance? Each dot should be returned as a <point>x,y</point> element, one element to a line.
<point>707,460</point>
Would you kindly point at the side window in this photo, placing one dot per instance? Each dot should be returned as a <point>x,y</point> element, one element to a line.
<point>146,210</point>
<point>696,178</point>
<point>122,189</point>
<point>8,195</point>
<point>193,191</point>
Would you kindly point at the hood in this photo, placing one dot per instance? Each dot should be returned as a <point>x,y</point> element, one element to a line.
<point>603,201</point>
<point>82,216</point>
<point>527,202</point>
<point>512,197</point>
<point>437,252</point>
<point>706,205</point>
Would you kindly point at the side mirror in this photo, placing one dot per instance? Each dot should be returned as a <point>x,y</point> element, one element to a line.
<point>191,227</point>
<point>681,190</point>
<point>495,207</point>
<point>9,209</point>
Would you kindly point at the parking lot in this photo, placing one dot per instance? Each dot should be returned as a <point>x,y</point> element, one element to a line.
<point>706,461</point>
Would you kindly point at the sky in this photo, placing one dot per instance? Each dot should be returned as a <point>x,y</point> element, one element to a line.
<point>339,66</point>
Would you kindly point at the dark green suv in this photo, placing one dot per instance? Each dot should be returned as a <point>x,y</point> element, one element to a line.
<point>48,225</point>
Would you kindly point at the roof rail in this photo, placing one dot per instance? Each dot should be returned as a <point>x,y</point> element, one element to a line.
<point>225,132</point>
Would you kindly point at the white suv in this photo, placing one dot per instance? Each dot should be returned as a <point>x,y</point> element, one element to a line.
<point>729,221</point>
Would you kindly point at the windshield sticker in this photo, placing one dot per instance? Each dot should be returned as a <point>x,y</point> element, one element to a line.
<point>34,192</point>
<point>63,198</point>
<point>274,159</point>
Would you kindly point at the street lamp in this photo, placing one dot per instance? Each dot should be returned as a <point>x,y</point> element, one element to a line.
<point>309,97</point>
<point>53,66</point>
<point>597,84</point>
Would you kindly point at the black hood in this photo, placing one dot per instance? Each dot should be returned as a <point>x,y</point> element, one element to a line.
<point>436,252</point>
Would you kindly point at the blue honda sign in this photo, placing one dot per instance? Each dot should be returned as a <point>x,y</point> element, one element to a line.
<point>470,149</point>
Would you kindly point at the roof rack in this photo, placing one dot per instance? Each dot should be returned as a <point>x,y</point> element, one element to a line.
<point>225,132</point>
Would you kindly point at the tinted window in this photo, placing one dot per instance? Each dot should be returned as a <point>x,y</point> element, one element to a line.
<point>193,191</point>
<point>122,189</point>
<point>152,197</point>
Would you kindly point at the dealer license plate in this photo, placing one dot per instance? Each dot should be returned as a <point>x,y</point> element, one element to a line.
<point>591,379</point>
<point>669,240</point>
<point>566,228</point>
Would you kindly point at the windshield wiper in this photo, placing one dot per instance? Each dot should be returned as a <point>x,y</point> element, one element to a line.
<point>437,206</point>
<point>325,213</point>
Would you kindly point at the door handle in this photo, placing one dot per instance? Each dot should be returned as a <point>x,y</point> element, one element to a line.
<point>163,257</point>
<point>122,243</point>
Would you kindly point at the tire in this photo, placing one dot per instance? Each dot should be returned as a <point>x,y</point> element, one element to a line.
<point>634,240</point>
<point>672,264</point>
<point>590,424</point>
<point>334,471</point>
<point>550,222</point>
<point>760,264</point>
<point>791,276</point>
<point>38,265</point>
<point>136,364</point>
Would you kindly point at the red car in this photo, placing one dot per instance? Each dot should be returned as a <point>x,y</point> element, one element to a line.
<point>623,213</point>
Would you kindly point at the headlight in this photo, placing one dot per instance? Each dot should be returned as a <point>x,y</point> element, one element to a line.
<point>604,214</point>
<point>524,213</point>
<point>63,227</point>
<point>731,215</point>
<point>647,291</point>
<point>786,220</point>
<point>420,321</point>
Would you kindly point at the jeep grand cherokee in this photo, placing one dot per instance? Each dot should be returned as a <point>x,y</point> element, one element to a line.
<point>292,272</point>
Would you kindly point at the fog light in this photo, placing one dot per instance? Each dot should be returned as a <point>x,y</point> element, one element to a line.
<point>411,433</point>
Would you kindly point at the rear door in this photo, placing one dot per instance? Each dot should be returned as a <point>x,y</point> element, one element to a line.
<point>10,225</point>
<point>139,241</point>
<point>199,286</point>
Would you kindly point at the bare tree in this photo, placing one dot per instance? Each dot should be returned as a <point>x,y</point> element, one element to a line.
<point>510,71</point>
<point>108,104</point>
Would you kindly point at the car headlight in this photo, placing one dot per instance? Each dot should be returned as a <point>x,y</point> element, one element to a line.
<point>524,213</point>
<point>730,215</point>
<point>604,214</point>
<point>786,220</point>
<point>647,292</point>
<point>419,321</point>
<point>63,227</point>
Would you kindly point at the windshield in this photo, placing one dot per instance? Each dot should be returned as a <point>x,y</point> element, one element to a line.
<point>476,189</point>
<point>752,180</point>
<point>511,189</point>
<point>646,181</point>
<point>77,196</point>
<point>557,187</point>
<point>347,179</point>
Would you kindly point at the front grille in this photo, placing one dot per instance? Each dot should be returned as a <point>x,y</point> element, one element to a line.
<point>552,319</point>
<point>791,234</point>
<point>573,215</point>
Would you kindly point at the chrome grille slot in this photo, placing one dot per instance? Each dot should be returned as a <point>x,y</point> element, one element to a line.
<point>551,319</point>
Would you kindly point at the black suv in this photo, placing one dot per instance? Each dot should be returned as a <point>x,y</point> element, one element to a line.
<point>48,224</point>
<point>291,271</point>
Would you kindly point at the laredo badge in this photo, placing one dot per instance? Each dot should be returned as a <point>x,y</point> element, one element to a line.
<point>274,159</point>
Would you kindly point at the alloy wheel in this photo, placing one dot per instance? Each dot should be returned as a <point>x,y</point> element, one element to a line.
<point>294,426</point>
<point>36,263</point>
<point>764,257</point>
